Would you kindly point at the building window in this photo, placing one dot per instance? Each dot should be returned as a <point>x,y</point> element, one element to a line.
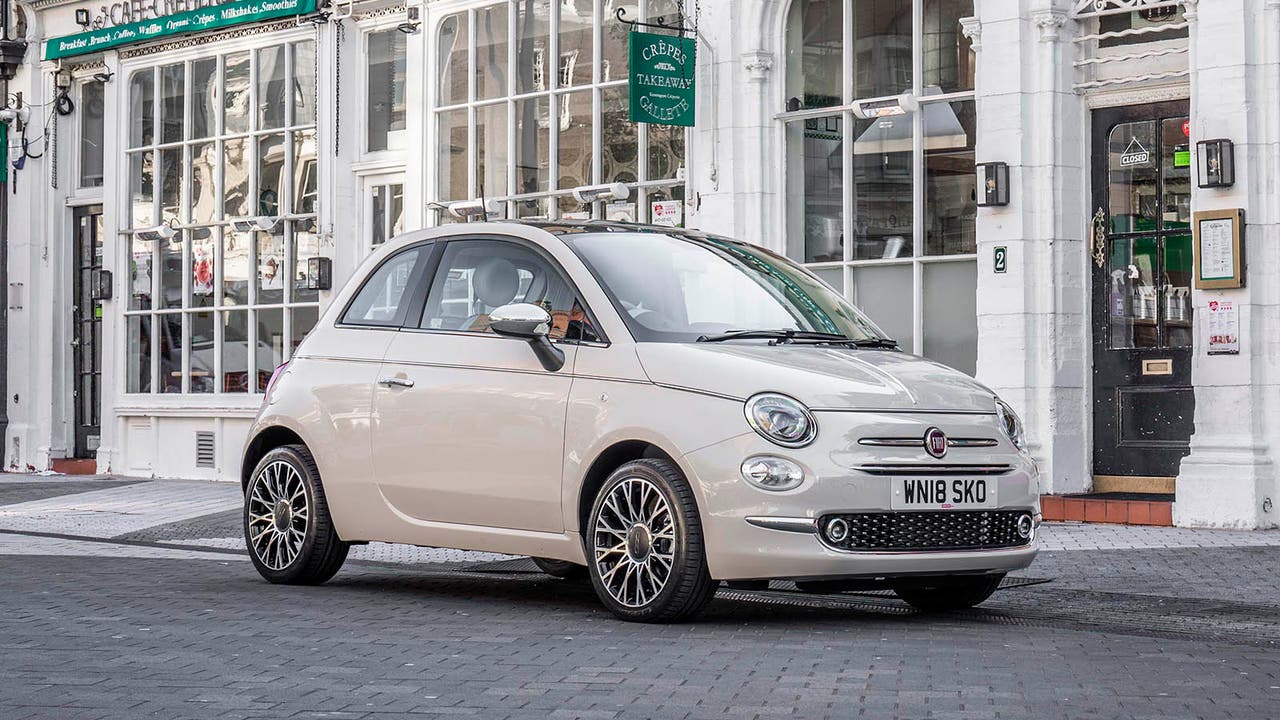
<point>91,133</point>
<point>221,177</point>
<point>386,88</point>
<point>883,209</point>
<point>385,208</point>
<point>530,101</point>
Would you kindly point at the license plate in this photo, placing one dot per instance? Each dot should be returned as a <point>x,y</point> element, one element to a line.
<point>943,494</point>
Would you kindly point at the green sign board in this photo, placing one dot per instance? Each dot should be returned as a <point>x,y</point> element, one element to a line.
<point>200,20</point>
<point>662,69</point>
<point>1181,158</point>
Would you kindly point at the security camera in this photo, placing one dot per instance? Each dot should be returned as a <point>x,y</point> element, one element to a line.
<point>592,193</point>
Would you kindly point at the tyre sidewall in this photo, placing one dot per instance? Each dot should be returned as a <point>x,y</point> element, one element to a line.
<point>687,543</point>
<point>294,571</point>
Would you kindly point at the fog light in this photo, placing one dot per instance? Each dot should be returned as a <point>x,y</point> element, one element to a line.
<point>1026,526</point>
<point>772,473</point>
<point>837,530</point>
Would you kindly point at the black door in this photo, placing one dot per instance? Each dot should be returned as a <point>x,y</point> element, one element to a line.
<point>87,322</point>
<point>1141,264</point>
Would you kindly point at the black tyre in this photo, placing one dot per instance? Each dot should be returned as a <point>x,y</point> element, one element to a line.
<point>287,527</point>
<point>953,592</point>
<point>645,547</point>
<point>561,568</point>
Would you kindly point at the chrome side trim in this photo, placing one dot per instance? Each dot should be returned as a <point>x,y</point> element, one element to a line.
<point>927,469</point>
<point>785,524</point>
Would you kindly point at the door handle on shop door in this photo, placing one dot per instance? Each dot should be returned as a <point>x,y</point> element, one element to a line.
<point>399,382</point>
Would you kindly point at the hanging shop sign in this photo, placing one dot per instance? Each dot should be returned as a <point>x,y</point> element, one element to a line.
<point>203,19</point>
<point>662,88</point>
<point>1135,154</point>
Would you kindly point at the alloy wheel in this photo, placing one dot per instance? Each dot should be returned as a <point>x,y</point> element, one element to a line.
<point>634,542</point>
<point>278,514</point>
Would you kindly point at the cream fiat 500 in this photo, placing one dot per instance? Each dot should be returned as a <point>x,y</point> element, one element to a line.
<point>656,410</point>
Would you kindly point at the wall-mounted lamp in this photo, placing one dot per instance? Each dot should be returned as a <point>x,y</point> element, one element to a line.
<point>159,232</point>
<point>413,21</point>
<point>885,106</point>
<point>104,77</point>
<point>100,285</point>
<point>592,193</point>
<point>263,223</point>
<point>993,184</point>
<point>1216,163</point>
<point>469,210</point>
<point>82,17</point>
<point>319,273</point>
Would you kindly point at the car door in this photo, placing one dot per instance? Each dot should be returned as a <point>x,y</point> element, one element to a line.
<point>468,426</point>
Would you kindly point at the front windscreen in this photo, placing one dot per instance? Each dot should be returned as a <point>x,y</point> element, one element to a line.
<point>676,288</point>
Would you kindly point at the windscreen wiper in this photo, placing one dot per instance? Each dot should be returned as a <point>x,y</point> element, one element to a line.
<point>783,337</point>
<point>778,337</point>
<point>880,342</point>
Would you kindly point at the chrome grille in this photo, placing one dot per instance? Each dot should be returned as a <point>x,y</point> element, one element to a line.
<point>922,531</point>
<point>935,468</point>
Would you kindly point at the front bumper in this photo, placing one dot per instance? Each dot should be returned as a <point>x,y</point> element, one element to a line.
<point>779,541</point>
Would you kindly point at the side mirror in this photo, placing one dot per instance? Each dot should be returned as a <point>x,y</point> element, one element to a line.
<point>528,322</point>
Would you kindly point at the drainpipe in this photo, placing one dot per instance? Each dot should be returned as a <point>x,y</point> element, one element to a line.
<point>11,53</point>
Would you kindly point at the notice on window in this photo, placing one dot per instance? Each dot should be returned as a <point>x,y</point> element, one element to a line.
<point>1217,249</point>
<point>1224,327</point>
<point>668,213</point>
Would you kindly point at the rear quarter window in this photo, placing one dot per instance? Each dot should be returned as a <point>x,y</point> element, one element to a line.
<point>382,300</point>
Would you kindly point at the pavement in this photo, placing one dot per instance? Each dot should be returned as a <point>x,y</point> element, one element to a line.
<point>133,599</point>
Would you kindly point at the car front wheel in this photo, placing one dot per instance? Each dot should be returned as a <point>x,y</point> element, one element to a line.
<point>644,541</point>
<point>941,594</point>
<point>287,527</point>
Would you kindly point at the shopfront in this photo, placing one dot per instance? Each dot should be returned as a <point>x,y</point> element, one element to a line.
<point>181,213</point>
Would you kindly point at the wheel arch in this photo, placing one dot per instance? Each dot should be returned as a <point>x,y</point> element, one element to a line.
<point>608,460</point>
<point>266,440</point>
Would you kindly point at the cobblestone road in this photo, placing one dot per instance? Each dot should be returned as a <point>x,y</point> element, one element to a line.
<point>159,622</point>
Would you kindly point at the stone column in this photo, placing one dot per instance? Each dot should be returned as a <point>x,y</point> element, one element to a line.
<point>1032,320</point>
<point>1229,479</point>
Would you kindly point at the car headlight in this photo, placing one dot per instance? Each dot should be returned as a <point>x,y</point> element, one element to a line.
<point>1011,424</point>
<point>781,420</point>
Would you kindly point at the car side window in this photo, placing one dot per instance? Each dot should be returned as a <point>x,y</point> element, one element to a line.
<point>476,277</point>
<point>382,299</point>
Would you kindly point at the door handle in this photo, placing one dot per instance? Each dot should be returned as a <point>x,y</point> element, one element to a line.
<point>396,381</point>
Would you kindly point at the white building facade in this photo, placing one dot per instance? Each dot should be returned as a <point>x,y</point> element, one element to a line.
<point>218,175</point>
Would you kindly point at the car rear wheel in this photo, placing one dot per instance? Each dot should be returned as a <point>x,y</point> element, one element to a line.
<point>560,568</point>
<point>645,547</point>
<point>954,592</point>
<point>287,528</point>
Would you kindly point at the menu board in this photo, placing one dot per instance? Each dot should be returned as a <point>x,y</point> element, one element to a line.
<point>1219,243</point>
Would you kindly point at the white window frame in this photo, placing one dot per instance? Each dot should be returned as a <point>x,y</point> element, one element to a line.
<point>368,182</point>
<point>220,223</point>
<point>373,158</point>
<point>603,14</point>
<point>918,260</point>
